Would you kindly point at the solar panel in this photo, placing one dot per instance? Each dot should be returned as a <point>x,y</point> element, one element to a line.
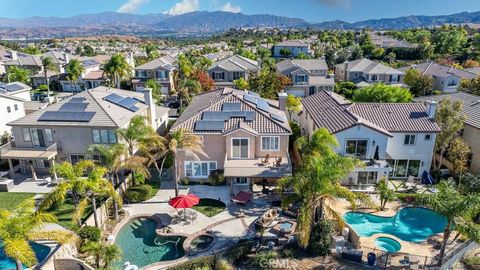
<point>248,115</point>
<point>263,105</point>
<point>66,116</point>
<point>209,125</point>
<point>278,117</point>
<point>113,98</point>
<point>73,107</point>
<point>76,100</point>
<point>250,99</point>
<point>124,102</point>
<point>228,107</point>
<point>216,116</point>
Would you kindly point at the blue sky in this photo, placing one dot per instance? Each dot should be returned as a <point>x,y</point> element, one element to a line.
<point>310,10</point>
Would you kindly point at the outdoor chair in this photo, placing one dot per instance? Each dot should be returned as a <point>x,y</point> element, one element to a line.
<point>266,159</point>
<point>410,182</point>
<point>278,162</point>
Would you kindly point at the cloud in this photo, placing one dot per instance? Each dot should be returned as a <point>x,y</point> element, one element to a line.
<point>131,6</point>
<point>182,7</point>
<point>228,7</point>
<point>335,3</point>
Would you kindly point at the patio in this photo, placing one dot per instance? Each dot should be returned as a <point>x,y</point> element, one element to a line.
<point>24,183</point>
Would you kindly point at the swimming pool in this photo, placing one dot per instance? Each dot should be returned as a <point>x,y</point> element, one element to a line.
<point>41,252</point>
<point>388,244</point>
<point>412,224</point>
<point>142,246</point>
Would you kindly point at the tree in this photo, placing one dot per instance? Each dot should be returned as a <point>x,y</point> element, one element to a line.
<point>450,118</point>
<point>458,153</point>
<point>88,51</point>
<point>470,85</point>
<point>155,86</point>
<point>202,77</point>
<point>390,57</point>
<point>185,66</point>
<point>48,65</point>
<point>267,83</point>
<point>17,74</point>
<point>294,104</point>
<point>106,253</point>
<point>32,49</point>
<point>456,208</point>
<point>366,44</point>
<point>152,51</point>
<point>378,53</point>
<point>24,224</point>
<point>382,93</point>
<point>316,184</point>
<point>285,52</point>
<point>117,68</point>
<point>386,194</point>
<point>74,71</point>
<point>449,39</point>
<point>187,88</point>
<point>346,89</point>
<point>419,83</point>
<point>241,83</point>
<point>321,239</point>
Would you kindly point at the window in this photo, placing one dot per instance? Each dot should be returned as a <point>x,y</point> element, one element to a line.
<point>357,148</point>
<point>41,164</point>
<point>199,169</point>
<point>452,83</point>
<point>409,140</point>
<point>26,135</point>
<point>403,168</point>
<point>218,75</point>
<point>367,178</point>
<point>374,77</point>
<point>356,75</point>
<point>300,78</point>
<point>413,168</point>
<point>15,106</point>
<point>240,148</point>
<point>240,181</point>
<point>48,135</point>
<point>237,75</point>
<point>9,109</point>
<point>75,158</point>
<point>270,143</point>
<point>141,73</point>
<point>161,74</point>
<point>104,136</point>
<point>428,137</point>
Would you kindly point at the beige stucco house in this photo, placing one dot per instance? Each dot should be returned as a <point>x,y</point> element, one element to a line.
<point>243,135</point>
<point>161,69</point>
<point>232,68</point>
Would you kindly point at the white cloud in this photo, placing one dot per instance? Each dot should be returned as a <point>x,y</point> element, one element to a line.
<point>184,6</point>
<point>228,7</point>
<point>131,6</point>
<point>333,3</point>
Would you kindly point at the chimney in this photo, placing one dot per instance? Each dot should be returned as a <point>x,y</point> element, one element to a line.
<point>431,108</point>
<point>13,55</point>
<point>152,115</point>
<point>282,101</point>
<point>66,58</point>
<point>345,71</point>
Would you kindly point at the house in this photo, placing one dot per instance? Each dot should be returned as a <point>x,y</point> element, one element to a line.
<point>16,89</point>
<point>445,78</point>
<point>161,69</point>
<point>293,47</point>
<point>64,130</point>
<point>471,129</point>
<point>384,41</point>
<point>394,140</point>
<point>243,135</point>
<point>11,109</point>
<point>364,72</point>
<point>225,71</point>
<point>308,76</point>
<point>32,63</point>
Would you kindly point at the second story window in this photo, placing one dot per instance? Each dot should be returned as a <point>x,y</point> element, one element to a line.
<point>141,73</point>
<point>240,147</point>
<point>104,136</point>
<point>300,78</point>
<point>161,74</point>
<point>271,143</point>
<point>409,139</point>
<point>428,137</point>
<point>356,148</point>
<point>15,107</point>
<point>9,109</point>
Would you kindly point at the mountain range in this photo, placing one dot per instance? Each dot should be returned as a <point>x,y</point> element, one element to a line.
<point>208,22</point>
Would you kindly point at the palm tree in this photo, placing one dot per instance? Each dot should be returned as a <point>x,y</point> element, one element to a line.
<point>102,253</point>
<point>457,208</point>
<point>117,68</point>
<point>74,71</point>
<point>187,88</point>
<point>22,225</point>
<point>48,65</point>
<point>386,194</point>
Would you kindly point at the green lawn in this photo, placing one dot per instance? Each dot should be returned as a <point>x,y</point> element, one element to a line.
<point>9,200</point>
<point>155,187</point>
<point>64,213</point>
<point>210,207</point>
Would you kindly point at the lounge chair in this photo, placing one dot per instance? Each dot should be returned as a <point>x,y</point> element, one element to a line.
<point>266,159</point>
<point>278,162</point>
<point>410,182</point>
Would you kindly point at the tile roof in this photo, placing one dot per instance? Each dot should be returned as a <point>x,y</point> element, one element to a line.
<point>368,66</point>
<point>292,43</point>
<point>166,62</point>
<point>213,101</point>
<point>433,69</point>
<point>237,63</point>
<point>333,112</point>
<point>289,65</point>
<point>471,105</point>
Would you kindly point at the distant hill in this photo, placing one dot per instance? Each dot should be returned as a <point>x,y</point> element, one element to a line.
<point>202,22</point>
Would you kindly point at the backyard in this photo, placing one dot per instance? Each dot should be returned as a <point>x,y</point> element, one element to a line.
<point>9,200</point>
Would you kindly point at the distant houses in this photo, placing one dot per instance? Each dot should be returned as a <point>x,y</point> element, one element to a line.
<point>232,68</point>
<point>290,48</point>
<point>161,70</point>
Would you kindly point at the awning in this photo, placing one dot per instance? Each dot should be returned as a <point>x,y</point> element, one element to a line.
<point>28,154</point>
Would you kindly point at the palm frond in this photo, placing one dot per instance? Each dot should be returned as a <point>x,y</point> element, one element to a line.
<point>20,250</point>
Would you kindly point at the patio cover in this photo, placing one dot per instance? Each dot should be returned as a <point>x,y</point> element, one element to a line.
<point>242,197</point>
<point>28,154</point>
<point>254,168</point>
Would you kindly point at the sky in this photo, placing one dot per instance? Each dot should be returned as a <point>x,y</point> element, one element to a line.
<point>309,10</point>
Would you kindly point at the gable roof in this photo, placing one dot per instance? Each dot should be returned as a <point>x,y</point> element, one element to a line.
<point>107,114</point>
<point>368,66</point>
<point>212,101</point>
<point>292,43</point>
<point>471,105</point>
<point>13,87</point>
<point>335,113</point>
<point>290,65</point>
<point>434,69</point>
<point>236,63</point>
<point>166,62</point>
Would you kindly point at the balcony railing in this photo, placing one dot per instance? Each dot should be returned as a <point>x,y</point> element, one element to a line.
<point>10,150</point>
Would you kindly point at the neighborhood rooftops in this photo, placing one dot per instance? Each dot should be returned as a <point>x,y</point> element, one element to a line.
<point>433,69</point>
<point>333,112</point>
<point>292,43</point>
<point>290,65</point>
<point>225,110</point>
<point>166,62</point>
<point>368,66</point>
<point>14,87</point>
<point>236,63</point>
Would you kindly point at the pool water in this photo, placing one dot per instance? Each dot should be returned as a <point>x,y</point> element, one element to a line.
<point>41,252</point>
<point>142,246</point>
<point>286,226</point>
<point>412,224</point>
<point>388,244</point>
<point>201,242</point>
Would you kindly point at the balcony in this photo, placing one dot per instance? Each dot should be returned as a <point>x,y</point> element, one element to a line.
<point>257,168</point>
<point>10,151</point>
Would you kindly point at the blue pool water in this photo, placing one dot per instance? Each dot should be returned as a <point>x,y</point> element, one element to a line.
<point>388,244</point>
<point>413,224</point>
<point>141,246</point>
<point>286,226</point>
<point>6,263</point>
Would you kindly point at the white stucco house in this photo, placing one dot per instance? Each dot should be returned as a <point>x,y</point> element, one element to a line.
<point>395,140</point>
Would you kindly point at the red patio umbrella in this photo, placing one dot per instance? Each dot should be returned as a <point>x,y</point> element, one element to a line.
<point>184,201</point>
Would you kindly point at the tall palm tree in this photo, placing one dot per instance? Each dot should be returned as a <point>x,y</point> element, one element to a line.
<point>103,253</point>
<point>74,71</point>
<point>22,225</point>
<point>117,68</point>
<point>457,208</point>
<point>187,88</point>
<point>48,65</point>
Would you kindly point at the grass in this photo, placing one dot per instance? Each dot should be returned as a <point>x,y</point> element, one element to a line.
<point>210,207</point>
<point>64,213</point>
<point>155,187</point>
<point>9,200</point>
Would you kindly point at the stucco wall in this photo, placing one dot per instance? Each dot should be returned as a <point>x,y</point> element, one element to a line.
<point>471,136</point>
<point>7,117</point>
<point>361,132</point>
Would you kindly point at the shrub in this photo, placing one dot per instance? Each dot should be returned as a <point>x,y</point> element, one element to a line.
<point>240,251</point>
<point>207,262</point>
<point>139,178</point>
<point>139,193</point>
<point>42,87</point>
<point>407,197</point>
<point>436,92</point>
<point>321,238</point>
<point>89,233</point>
<point>184,181</point>
<point>261,257</point>
<point>223,264</point>
<point>216,178</point>
<point>472,262</point>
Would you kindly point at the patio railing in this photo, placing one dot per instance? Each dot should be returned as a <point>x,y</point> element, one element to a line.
<point>12,146</point>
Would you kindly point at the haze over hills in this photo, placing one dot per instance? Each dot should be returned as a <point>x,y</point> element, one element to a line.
<point>202,22</point>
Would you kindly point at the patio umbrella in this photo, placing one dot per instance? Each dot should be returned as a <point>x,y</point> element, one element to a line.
<point>184,201</point>
<point>376,156</point>
<point>427,178</point>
